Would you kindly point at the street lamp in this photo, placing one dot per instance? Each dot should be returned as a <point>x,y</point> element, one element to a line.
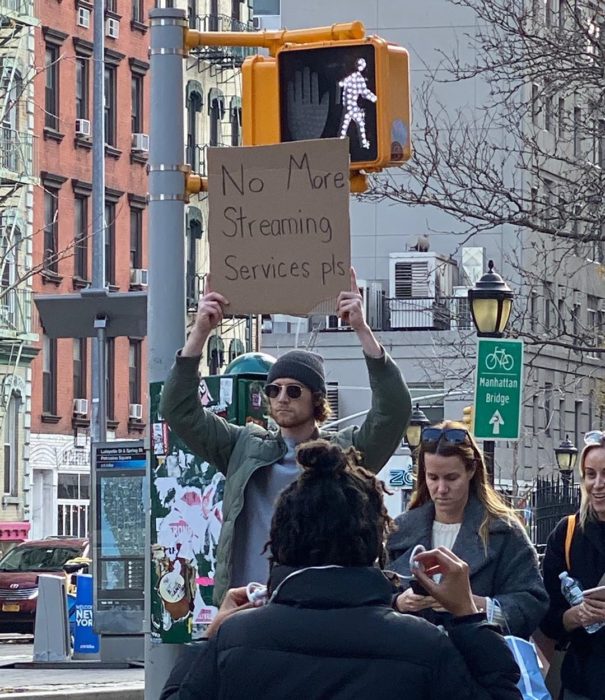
<point>491,301</point>
<point>566,455</point>
<point>413,434</point>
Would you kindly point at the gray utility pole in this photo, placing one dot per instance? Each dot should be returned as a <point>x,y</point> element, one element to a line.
<point>166,235</point>
<point>99,404</point>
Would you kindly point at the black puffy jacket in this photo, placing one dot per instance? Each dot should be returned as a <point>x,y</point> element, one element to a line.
<point>331,634</point>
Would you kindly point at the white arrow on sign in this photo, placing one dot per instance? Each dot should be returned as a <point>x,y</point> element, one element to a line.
<point>496,421</point>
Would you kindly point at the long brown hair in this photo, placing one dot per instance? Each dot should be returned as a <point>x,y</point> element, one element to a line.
<point>586,513</point>
<point>479,486</point>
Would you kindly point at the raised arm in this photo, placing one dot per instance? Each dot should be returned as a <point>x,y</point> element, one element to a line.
<point>384,426</point>
<point>204,433</point>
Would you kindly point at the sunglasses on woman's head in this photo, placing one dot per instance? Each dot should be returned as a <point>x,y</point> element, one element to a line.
<point>594,437</point>
<point>293,391</point>
<point>451,436</point>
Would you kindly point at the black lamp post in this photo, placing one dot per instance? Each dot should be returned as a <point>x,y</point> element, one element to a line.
<point>491,301</point>
<point>413,433</point>
<point>566,455</point>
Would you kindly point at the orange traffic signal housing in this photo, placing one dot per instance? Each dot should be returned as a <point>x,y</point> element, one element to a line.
<point>356,88</point>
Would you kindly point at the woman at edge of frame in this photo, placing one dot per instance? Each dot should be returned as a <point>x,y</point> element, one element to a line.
<point>583,669</point>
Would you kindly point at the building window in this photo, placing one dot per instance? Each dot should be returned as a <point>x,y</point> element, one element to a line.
<point>549,108</point>
<point>562,433</point>
<point>213,16</point>
<point>136,238</point>
<point>73,499</point>
<point>192,13</point>
<point>535,104</point>
<point>561,314</point>
<point>81,238</point>
<point>236,348</point>
<point>193,106</point>
<point>547,301</point>
<point>533,311</point>
<point>547,408</point>
<point>111,377</point>
<point>236,122</point>
<point>79,368</point>
<point>577,131</point>
<point>110,105</point>
<point>51,101</point>
<point>216,354</point>
<point>11,445</point>
<point>111,6</point>
<point>138,11</point>
<point>134,371</point>
<point>82,88</point>
<point>535,413</point>
<point>110,243</point>
<point>137,104</point>
<point>235,14</point>
<point>562,116</point>
<point>216,113</point>
<point>577,422</point>
<point>51,229</point>
<point>49,376</point>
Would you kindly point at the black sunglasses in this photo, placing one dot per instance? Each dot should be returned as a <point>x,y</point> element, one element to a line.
<point>293,391</point>
<point>452,436</point>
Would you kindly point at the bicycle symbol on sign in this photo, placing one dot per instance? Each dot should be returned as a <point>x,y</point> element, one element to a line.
<point>499,358</point>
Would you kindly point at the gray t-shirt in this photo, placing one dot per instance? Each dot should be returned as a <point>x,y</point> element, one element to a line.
<point>254,522</point>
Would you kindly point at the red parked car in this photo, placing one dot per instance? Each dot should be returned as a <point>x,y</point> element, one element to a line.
<point>19,569</point>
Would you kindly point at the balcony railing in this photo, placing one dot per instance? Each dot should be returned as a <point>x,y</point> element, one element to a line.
<point>16,154</point>
<point>221,54</point>
<point>19,8</point>
<point>15,312</point>
<point>427,313</point>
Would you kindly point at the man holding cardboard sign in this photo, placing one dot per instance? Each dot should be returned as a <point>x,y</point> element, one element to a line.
<point>258,464</point>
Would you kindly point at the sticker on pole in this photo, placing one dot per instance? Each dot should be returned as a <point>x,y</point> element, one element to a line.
<point>498,389</point>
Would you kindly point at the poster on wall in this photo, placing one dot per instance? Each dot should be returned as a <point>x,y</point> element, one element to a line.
<point>186,512</point>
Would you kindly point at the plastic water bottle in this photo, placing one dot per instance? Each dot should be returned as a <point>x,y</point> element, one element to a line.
<point>572,591</point>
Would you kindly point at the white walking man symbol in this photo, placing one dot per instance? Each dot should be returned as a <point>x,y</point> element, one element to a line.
<point>353,87</point>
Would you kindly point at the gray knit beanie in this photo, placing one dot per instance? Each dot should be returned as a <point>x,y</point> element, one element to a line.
<point>306,367</point>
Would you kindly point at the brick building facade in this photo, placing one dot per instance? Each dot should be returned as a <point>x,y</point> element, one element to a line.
<point>61,374</point>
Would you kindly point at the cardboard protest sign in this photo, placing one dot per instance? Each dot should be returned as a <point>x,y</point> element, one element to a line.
<point>278,227</point>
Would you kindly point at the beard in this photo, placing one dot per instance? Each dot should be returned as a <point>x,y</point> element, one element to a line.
<point>290,419</point>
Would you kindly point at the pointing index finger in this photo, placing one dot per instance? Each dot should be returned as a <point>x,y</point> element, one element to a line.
<point>354,285</point>
<point>207,285</point>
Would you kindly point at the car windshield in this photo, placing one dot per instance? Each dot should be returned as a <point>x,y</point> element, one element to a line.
<point>38,558</point>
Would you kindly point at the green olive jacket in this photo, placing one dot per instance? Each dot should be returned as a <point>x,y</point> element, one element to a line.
<point>238,451</point>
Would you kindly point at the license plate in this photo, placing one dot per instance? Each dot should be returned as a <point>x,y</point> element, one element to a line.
<point>10,607</point>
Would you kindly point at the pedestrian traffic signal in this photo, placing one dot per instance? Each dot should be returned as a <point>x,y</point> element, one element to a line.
<point>468,418</point>
<point>332,89</point>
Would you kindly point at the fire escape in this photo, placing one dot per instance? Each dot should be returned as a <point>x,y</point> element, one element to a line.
<point>17,177</point>
<point>219,101</point>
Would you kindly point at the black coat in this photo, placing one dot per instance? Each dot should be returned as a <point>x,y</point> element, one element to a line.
<point>331,634</point>
<point>583,669</point>
<point>508,570</point>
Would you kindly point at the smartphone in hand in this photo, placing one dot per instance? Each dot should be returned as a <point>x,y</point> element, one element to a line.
<point>417,587</point>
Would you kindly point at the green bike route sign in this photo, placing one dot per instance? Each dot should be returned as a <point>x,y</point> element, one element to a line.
<point>498,389</point>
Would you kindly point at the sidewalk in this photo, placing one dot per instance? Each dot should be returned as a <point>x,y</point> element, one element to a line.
<point>71,683</point>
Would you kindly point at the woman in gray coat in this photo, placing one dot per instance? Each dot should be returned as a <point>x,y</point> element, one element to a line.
<point>455,506</point>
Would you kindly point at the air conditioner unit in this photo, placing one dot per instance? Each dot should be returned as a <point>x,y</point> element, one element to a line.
<point>138,277</point>
<point>83,127</point>
<point>375,306</point>
<point>417,283</point>
<point>135,411</point>
<point>257,22</point>
<point>332,396</point>
<point>140,142</point>
<point>112,28</point>
<point>333,323</point>
<point>81,407</point>
<point>83,17</point>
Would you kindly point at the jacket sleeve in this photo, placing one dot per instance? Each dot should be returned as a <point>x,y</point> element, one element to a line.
<point>204,433</point>
<point>553,565</point>
<point>194,675</point>
<point>474,663</point>
<point>381,432</point>
<point>518,586</point>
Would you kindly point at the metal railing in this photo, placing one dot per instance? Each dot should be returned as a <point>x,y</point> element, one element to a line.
<point>15,312</point>
<point>427,313</point>
<point>23,8</point>
<point>222,23</point>
<point>16,153</point>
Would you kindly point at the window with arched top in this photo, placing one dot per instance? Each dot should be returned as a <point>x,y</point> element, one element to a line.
<point>12,445</point>
<point>236,348</point>
<point>216,354</point>
<point>216,111</point>
<point>235,119</point>
<point>193,105</point>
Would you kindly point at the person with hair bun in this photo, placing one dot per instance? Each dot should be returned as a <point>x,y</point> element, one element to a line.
<point>328,630</point>
<point>454,505</point>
